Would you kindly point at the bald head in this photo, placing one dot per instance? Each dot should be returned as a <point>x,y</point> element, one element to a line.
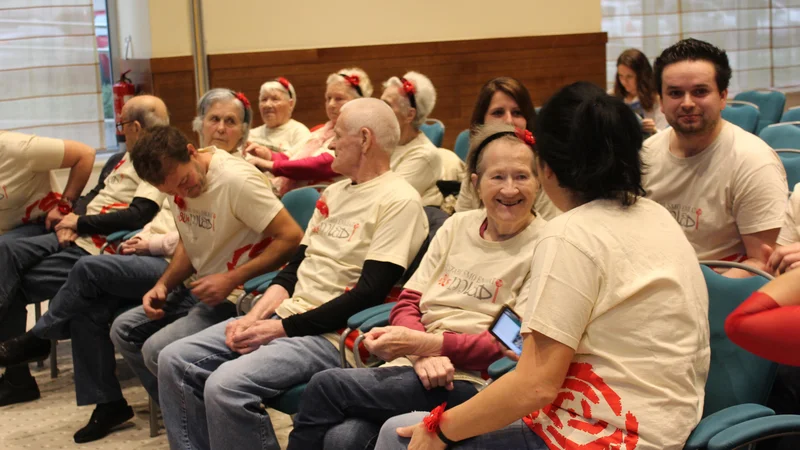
<point>141,112</point>
<point>375,115</point>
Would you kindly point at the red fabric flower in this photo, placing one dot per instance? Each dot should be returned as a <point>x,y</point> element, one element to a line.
<point>285,83</point>
<point>353,80</point>
<point>180,202</point>
<point>432,420</point>
<point>242,99</point>
<point>322,207</point>
<point>525,136</point>
<point>408,87</point>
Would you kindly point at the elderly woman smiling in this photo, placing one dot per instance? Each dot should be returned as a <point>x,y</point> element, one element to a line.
<point>310,163</point>
<point>412,98</point>
<point>438,342</point>
<point>223,120</point>
<point>280,132</point>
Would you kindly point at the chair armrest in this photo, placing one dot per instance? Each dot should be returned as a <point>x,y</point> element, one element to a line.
<point>131,234</point>
<point>359,318</point>
<point>117,235</point>
<point>755,430</point>
<point>722,420</point>
<point>501,367</point>
<point>254,283</point>
<point>378,320</point>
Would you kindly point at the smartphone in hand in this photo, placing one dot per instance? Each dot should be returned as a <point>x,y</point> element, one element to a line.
<point>506,327</point>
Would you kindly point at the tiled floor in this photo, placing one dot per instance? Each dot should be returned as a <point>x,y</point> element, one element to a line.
<point>50,422</point>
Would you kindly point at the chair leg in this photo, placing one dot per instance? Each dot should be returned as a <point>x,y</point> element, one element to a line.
<point>53,358</point>
<point>153,416</point>
<point>37,313</point>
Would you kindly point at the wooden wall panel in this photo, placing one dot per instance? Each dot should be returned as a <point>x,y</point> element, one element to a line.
<point>457,70</point>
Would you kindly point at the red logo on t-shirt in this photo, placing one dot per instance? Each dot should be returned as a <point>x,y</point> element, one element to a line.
<point>99,240</point>
<point>119,164</point>
<point>584,388</point>
<point>45,204</point>
<point>254,250</point>
<point>322,207</point>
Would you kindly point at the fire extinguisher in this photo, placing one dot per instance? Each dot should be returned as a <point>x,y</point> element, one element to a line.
<point>123,90</point>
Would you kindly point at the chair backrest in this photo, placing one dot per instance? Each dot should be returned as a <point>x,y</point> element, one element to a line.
<point>770,105</point>
<point>792,115</point>
<point>301,203</point>
<point>743,114</point>
<point>436,218</point>
<point>434,129</point>
<point>462,145</point>
<point>791,164</point>
<point>736,376</point>
<point>782,135</point>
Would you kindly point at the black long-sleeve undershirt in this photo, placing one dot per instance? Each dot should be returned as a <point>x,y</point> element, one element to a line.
<point>377,279</point>
<point>138,214</point>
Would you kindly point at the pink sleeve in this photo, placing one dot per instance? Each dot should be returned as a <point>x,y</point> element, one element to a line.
<point>164,244</point>
<point>471,351</point>
<point>312,168</point>
<point>278,156</point>
<point>405,312</point>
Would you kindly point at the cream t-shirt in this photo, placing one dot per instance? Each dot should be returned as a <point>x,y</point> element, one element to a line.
<point>282,138</point>
<point>121,186</point>
<point>790,231</point>
<point>465,279</point>
<point>735,186</point>
<point>453,168</point>
<point>419,163</point>
<point>468,200</point>
<point>222,228</point>
<point>25,164</point>
<point>621,287</point>
<point>380,220</point>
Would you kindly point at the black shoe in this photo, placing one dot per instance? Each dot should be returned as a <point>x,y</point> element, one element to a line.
<point>104,418</point>
<point>24,391</point>
<point>23,349</point>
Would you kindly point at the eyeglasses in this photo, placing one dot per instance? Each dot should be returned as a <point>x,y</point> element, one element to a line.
<point>120,125</point>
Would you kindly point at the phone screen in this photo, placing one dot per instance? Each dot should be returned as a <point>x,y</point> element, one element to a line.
<point>506,329</point>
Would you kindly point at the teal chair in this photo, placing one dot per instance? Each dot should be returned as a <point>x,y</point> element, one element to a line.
<point>770,105</point>
<point>791,164</point>
<point>782,135</point>
<point>462,145</point>
<point>743,114</point>
<point>434,129</point>
<point>792,115</point>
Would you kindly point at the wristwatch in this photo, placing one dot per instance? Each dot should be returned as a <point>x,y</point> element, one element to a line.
<point>64,206</point>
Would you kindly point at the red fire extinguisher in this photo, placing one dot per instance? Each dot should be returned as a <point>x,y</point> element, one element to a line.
<point>123,90</point>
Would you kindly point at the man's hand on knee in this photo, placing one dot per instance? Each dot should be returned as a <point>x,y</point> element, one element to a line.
<point>261,333</point>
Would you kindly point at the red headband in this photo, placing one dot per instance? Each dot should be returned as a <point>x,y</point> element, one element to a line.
<point>285,83</point>
<point>354,81</point>
<point>410,90</point>
<point>242,99</point>
<point>525,136</point>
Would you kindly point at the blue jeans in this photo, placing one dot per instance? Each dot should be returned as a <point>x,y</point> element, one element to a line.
<point>31,270</point>
<point>97,288</point>
<point>350,405</point>
<point>515,436</point>
<point>140,340</point>
<point>212,397</point>
<point>24,231</point>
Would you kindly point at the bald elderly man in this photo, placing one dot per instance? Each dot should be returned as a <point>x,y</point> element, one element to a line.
<point>34,269</point>
<point>363,235</point>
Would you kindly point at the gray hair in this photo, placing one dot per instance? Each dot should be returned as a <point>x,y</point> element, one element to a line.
<point>363,79</point>
<point>375,115</point>
<point>274,85</point>
<point>425,95</point>
<point>145,114</point>
<point>222,95</point>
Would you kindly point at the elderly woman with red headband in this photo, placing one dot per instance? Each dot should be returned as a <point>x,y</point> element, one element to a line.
<point>276,102</point>
<point>310,163</point>
<point>223,120</point>
<point>412,97</point>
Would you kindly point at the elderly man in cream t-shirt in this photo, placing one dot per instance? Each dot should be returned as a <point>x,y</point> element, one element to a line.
<point>725,187</point>
<point>364,233</point>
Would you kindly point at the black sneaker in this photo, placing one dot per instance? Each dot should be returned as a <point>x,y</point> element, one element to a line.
<point>23,349</point>
<point>24,391</point>
<point>104,418</point>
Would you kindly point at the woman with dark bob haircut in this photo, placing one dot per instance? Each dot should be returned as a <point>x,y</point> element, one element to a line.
<point>502,100</point>
<point>615,326</point>
<point>636,86</point>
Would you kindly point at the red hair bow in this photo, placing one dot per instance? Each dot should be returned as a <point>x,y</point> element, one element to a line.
<point>408,87</point>
<point>353,80</point>
<point>432,420</point>
<point>242,99</point>
<point>525,136</point>
<point>285,83</point>
<point>180,202</point>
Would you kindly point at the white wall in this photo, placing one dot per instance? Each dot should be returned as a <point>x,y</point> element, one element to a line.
<point>133,20</point>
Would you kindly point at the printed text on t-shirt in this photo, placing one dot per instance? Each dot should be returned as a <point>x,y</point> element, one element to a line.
<point>469,283</point>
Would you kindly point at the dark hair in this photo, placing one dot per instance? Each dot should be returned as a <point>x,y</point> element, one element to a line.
<point>510,87</point>
<point>591,141</point>
<point>645,83</point>
<point>157,151</point>
<point>695,50</point>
